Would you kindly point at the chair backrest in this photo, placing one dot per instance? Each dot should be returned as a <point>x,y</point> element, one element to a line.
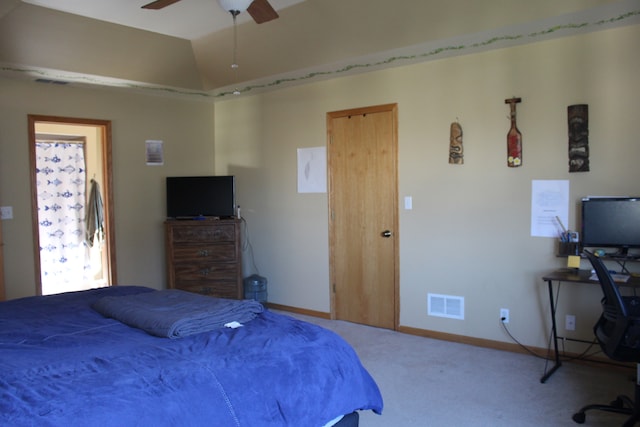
<point>618,334</point>
<point>613,299</point>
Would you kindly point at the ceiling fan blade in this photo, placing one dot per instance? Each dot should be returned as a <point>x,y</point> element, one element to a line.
<point>159,4</point>
<point>261,11</point>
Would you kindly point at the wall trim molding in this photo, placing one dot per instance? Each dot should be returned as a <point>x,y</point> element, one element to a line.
<point>477,342</point>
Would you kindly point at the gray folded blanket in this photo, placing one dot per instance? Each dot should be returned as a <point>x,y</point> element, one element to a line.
<point>173,313</point>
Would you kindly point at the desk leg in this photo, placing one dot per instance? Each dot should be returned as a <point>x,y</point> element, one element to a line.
<point>554,333</point>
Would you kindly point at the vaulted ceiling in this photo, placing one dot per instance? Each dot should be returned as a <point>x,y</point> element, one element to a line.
<point>187,48</point>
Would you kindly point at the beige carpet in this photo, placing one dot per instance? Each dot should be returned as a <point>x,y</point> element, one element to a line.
<point>427,382</point>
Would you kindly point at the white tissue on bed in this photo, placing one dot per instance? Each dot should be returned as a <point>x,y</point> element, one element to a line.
<point>233,324</point>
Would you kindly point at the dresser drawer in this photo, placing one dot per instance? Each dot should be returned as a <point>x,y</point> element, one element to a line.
<point>204,233</point>
<point>185,272</point>
<point>220,290</point>
<point>224,252</point>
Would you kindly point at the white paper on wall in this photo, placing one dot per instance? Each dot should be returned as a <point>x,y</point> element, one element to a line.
<point>312,170</point>
<point>549,207</point>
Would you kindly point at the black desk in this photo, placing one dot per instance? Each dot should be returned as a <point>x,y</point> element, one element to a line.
<point>571,276</point>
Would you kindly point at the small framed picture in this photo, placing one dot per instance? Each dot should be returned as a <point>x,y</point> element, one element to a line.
<point>154,153</point>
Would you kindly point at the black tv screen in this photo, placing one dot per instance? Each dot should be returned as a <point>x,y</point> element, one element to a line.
<point>201,196</point>
<point>611,222</point>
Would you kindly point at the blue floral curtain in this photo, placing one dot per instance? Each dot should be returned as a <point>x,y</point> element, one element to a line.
<point>61,184</point>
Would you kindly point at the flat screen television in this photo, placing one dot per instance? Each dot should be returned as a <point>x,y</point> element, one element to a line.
<point>201,196</point>
<point>611,222</point>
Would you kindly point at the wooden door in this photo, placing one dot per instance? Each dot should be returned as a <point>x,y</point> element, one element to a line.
<point>363,206</point>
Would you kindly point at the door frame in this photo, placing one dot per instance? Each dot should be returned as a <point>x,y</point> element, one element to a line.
<point>107,188</point>
<point>2,291</point>
<point>393,108</point>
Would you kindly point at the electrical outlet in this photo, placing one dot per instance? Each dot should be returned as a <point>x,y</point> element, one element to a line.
<point>570,322</point>
<point>504,315</point>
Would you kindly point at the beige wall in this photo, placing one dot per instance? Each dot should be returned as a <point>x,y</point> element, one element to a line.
<point>186,127</point>
<point>34,35</point>
<point>469,231</point>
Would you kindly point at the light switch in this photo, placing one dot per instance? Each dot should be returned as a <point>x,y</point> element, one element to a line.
<point>408,203</point>
<point>6,212</point>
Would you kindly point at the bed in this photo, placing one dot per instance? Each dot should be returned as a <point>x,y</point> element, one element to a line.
<point>62,363</point>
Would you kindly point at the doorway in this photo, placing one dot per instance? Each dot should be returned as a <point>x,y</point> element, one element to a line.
<point>363,221</point>
<point>72,203</point>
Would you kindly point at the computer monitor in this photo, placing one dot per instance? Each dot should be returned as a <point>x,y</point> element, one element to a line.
<point>611,222</point>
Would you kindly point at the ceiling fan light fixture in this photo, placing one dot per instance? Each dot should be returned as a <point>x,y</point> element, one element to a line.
<point>235,5</point>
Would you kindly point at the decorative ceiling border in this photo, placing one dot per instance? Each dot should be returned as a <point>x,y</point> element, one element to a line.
<point>453,47</point>
<point>597,19</point>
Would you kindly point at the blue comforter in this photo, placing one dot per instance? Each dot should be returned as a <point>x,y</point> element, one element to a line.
<point>63,364</point>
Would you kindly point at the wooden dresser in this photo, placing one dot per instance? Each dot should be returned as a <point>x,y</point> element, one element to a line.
<point>205,257</point>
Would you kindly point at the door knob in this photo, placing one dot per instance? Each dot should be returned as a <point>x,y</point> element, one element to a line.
<point>386,233</point>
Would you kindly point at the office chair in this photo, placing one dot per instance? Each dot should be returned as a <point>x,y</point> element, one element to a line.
<point>618,333</point>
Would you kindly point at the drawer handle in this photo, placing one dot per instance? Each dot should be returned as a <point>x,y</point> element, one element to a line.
<point>203,252</point>
<point>204,272</point>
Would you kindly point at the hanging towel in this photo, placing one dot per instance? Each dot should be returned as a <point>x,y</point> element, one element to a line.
<point>95,215</point>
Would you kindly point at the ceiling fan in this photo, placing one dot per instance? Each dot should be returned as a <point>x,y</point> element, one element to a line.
<point>260,10</point>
